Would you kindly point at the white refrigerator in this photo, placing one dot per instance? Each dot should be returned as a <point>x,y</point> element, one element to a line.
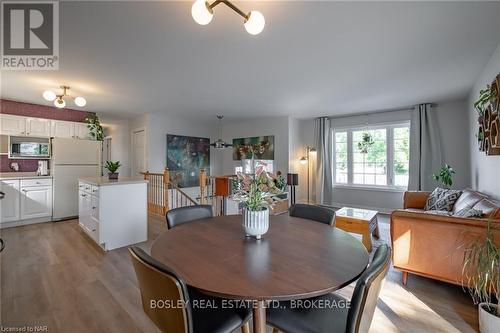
<point>71,159</point>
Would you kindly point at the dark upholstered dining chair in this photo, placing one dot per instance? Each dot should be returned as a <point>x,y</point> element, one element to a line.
<point>339,318</point>
<point>177,311</point>
<point>313,212</point>
<point>182,215</point>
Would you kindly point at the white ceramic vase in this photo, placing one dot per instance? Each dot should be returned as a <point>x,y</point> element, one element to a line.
<point>488,323</point>
<point>255,222</point>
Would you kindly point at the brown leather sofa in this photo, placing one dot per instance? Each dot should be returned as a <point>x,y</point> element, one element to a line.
<point>429,244</point>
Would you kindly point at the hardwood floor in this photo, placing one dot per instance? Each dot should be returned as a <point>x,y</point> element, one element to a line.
<point>53,275</point>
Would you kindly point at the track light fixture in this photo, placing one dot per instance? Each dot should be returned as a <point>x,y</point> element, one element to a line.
<point>59,101</point>
<point>202,13</point>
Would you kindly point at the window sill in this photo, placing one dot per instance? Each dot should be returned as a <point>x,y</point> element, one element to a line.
<point>370,188</point>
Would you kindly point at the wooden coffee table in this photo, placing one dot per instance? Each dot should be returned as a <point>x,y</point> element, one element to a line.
<point>359,221</point>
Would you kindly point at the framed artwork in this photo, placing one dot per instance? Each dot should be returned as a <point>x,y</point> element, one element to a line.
<point>186,155</point>
<point>262,146</point>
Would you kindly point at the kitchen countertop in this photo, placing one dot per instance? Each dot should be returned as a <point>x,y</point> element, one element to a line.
<point>20,175</point>
<point>105,181</point>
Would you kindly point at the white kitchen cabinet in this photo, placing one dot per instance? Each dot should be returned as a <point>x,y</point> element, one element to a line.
<point>37,127</point>
<point>62,129</point>
<point>12,125</point>
<point>9,205</point>
<point>82,131</point>
<point>36,202</point>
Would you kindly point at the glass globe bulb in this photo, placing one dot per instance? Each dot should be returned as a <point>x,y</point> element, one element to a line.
<point>59,102</point>
<point>255,23</point>
<point>80,101</point>
<point>49,95</point>
<point>303,160</point>
<point>201,13</point>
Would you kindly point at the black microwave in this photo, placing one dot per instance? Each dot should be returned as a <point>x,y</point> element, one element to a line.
<point>29,147</point>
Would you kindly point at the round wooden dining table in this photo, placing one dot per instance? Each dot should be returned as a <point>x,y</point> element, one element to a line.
<point>295,259</point>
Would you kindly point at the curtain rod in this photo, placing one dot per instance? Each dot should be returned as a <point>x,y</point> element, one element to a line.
<point>368,113</point>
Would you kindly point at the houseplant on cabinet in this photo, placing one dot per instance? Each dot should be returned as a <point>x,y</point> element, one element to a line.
<point>258,193</point>
<point>481,277</point>
<point>113,168</point>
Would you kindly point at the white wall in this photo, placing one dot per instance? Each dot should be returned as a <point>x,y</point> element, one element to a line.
<point>453,124</point>
<point>485,170</point>
<point>118,129</point>
<point>302,134</point>
<point>277,126</point>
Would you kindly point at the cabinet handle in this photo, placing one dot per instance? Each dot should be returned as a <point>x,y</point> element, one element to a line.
<point>94,207</point>
<point>24,190</point>
<point>83,195</point>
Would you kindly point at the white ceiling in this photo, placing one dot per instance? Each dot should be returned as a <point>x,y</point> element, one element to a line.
<point>313,58</point>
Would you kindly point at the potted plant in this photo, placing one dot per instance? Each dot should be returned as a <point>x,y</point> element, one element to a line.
<point>113,168</point>
<point>481,277</point>
<point>258,193</point>
<point>486,96</point>
<point>445,175</point>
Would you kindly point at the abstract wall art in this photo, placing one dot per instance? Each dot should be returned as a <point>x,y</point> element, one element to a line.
<point>186,155</point>
<point>262,147</point>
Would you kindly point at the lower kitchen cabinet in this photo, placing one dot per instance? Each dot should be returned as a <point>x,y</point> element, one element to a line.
<point>36,202</point>
<point>113,214</point>
<point>9,205</point>
<point>27,200</point>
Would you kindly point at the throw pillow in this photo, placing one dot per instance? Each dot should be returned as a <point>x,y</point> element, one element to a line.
<point>442,199</point>
<point>469,212</point>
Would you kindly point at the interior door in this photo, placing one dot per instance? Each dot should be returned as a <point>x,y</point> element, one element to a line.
<point>138,152</point>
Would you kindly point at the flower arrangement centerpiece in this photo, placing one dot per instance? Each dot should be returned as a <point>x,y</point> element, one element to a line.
<point>258,192</point>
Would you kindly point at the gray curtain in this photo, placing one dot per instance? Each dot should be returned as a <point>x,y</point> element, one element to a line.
<point>425,148</point>
<point>324,169</point>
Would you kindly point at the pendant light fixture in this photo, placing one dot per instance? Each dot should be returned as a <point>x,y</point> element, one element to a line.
<point>202,13</point>
<point>220,144</point>
<point>59,101</point>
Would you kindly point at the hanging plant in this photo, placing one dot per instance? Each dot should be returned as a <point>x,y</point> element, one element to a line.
<point>366,143</point>
<point>94,126</point>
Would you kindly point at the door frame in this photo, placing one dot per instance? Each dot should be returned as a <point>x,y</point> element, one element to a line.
<point>146,150</point>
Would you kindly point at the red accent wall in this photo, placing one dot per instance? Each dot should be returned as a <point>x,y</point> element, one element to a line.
<point>41,111</point>
<point>37,111</point>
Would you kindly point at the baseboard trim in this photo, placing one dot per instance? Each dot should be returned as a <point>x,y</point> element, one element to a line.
<point>378,209</point>
<point>13,224</point>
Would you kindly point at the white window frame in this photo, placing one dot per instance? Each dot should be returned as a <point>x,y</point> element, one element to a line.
<point>389,155</point>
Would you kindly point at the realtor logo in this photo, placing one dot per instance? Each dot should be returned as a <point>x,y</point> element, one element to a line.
<point>30,35</point>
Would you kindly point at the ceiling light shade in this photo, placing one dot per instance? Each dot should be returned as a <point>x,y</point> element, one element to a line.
<point>201,12</point>
<point>59,102</point>
<point>80,101</point>
<point>255,23</point>
<point>49,95</point>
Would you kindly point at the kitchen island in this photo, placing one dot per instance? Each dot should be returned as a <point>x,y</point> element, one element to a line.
<point>113,213</point>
